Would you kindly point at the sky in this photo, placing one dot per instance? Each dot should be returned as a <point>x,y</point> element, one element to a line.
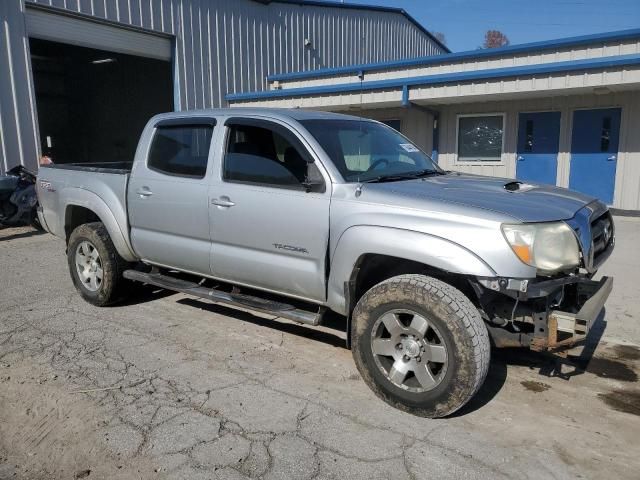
<point>464,22</point>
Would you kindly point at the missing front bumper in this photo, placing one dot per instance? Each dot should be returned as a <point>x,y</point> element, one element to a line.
<point>538,325</point>
<point>564,330</point>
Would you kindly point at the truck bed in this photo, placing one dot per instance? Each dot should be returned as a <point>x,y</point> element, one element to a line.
<point>99,187</point>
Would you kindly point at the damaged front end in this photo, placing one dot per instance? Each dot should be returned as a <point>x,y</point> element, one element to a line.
<point>555,313</point>
<point>550,315</point>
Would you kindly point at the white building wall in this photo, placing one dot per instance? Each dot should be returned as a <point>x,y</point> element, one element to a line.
<point>417,124</point>
<point>597,50</point>
<point>573,87</point>
<point>627,186</point>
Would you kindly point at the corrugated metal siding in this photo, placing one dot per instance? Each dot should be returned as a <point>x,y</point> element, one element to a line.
<point>415,123</point>
<point>18,130</point>
<point>245,41</point>
<point>222,46</point>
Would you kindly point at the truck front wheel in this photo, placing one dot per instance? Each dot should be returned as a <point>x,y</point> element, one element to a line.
<point>420,345</point>
<point>95,265</point>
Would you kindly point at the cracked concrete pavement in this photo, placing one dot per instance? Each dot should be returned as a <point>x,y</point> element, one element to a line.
<point>170,387</point>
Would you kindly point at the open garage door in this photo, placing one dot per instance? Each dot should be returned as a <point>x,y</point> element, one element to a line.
<point>93,34</point>
<point>94,100</point>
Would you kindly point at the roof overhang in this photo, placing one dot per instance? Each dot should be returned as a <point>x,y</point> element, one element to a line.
<point>606,72</point>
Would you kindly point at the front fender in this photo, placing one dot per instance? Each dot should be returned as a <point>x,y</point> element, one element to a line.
<point>84,198</point>
<point>420,247</point>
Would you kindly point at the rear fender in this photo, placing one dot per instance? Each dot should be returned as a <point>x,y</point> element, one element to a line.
<point>70,197</point>
<point>419,247</point>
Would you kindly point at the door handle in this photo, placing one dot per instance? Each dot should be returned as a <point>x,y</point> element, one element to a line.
<point>520,158</point>
<point>144,192</point>
<point>222,202</point>
<point>612,158</point>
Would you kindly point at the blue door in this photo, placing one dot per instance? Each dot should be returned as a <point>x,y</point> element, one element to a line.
<point>594,152</point>
<point>538,136</point>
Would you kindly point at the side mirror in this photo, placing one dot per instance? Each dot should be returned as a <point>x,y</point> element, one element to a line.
<point>316,186</point>
<point>313,181</point>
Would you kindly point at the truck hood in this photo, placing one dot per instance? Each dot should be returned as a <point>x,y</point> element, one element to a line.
<point>527,202</point>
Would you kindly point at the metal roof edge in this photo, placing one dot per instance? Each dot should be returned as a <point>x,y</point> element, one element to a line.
<point>451,57</point>
<point>555,67</point>
<point>362,6</point>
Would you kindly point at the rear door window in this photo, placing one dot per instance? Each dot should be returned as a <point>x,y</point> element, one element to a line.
<point>181,150</point>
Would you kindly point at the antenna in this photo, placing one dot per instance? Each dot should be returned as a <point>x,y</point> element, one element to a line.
<point>360,134</point>
<point>360,122</point>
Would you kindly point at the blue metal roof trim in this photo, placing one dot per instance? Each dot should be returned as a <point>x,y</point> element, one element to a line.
<point>404,83</point>
<point>361,6</point>
<point>452,57</point>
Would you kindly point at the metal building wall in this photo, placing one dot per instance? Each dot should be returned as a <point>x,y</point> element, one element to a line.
<point>18,128</point>
<point>222,46</point>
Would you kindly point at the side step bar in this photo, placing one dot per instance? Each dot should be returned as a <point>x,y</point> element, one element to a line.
<point>279,309</point>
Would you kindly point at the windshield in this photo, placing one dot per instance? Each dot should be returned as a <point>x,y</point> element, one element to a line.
<point>363,150</point>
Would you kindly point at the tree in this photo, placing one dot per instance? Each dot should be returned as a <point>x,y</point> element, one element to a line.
<point>495,39</point>
<point>440,37</point>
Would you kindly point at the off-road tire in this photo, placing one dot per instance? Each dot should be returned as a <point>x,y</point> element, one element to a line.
<point>464,335</point>
<point>113,284</point>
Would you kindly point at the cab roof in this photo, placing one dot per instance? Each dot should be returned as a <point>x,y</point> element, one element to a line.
<point>277,113</point>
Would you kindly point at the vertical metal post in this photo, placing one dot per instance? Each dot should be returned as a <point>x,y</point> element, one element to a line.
<point>436,136</point>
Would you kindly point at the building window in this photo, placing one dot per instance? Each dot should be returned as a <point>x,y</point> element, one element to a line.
<point>605,136</point>
<point>528,146</point>
<point>480,138</point>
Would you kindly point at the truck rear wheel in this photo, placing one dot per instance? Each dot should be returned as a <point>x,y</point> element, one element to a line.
<point>420,345</point>
<point>95,265</point>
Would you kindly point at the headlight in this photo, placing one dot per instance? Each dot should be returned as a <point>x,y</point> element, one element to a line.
<point>547,246</point>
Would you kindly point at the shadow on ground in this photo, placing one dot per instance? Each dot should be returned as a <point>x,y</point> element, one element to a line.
<point>291,328</point>
<point>20,234</point>
<point>547,365</point>
<point>142,294</point>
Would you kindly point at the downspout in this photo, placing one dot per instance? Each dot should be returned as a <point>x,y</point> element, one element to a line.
<point>405,96</point>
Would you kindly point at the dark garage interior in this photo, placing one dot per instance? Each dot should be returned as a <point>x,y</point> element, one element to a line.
<point>92,104</point>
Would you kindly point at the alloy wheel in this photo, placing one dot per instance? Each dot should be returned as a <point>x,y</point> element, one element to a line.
<point>409,350</point>
<point>89,266</point>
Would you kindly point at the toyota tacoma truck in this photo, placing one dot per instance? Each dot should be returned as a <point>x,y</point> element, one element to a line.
<point>309,215</point>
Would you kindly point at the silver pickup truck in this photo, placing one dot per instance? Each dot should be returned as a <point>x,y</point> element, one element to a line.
<point>306,215</point>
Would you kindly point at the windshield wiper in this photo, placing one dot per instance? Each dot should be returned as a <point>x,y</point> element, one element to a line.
<point>428,173</point>
<point>403,176</point>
